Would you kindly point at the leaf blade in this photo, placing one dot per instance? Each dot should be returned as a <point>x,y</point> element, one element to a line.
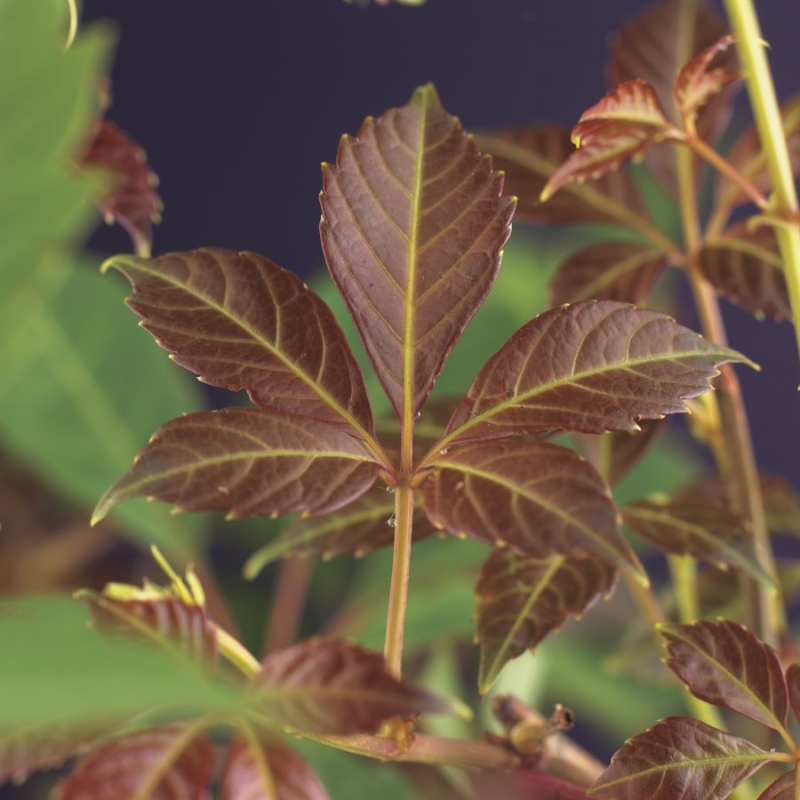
<point>725,664</point>
<point>217,460</point>
<point>706,531</point>
<point>624,271</point>
<point>396,226</point>
<point>676,751</point>
<point>560,359</point>
<point>262,767</point>
<point>242,322</point>
<point>746,267</point>
<point>521,600</point>
<point>331,686</point>
<point>536,497</point>
<point>696,83</point>
<point>152,763</point>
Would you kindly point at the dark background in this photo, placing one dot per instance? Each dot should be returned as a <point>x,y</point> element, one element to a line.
<point>238,102</point>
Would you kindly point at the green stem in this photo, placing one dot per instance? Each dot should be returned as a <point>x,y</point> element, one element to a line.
<point>683,570</point>
<point>761,90</point>
<point>401,565</point>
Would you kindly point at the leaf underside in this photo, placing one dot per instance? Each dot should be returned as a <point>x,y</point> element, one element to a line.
<point>331,686</point>
<point>624,271</point>
<point>153,764</point>
<point>413,222</point>
<point>262,767</point>
<point>652,46</point>
<point>538,498</point>
<point>793,684</point>
<point>521,600</point>
<point>239,321</point>
<point>697,83</point>
<point>725,664</point>
<point>707,531</point>
<point>679,757</point>
<point>169,621</point>
<point>246,461</point>
<point>591,366</point>
<point>746,267</point>
<point>131,200</point>
<point>530,154</point>
<point>359,528</point>
<point>623,125</point>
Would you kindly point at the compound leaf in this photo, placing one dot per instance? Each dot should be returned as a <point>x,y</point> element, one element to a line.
<point>241,322</point>
<point>521,600</point>
<point>248,462</point>
<point>679,757</point>
<point>623,125</point>
<point>153,764</point>
<point>697,83</point>
<point>359,528</point>
<point>624,271</point>
<point>538,498</point>
<point>530,154</point>
<point>707,531</point>
<point>331,686</point>
<point>591,366</point>
<point>131,200</point>
<point>747,268</point>
<point>413,222</point>
<point>725,664</point>
<point>262,767</point>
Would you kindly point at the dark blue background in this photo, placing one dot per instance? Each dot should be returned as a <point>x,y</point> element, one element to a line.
<point>238,102</point>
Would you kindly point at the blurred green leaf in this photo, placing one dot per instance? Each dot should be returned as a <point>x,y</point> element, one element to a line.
<point>54,667</point>
<point>83,389</point>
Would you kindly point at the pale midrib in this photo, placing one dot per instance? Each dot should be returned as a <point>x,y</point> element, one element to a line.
<point>573,378</point>
<point>315,387</point>
<point>411,270</point>
<point>534,498</point>
<point>312,455</point>
<point>733,679</point>
<point>700,762</point>
<point>541,585</point>
<point>261,761</point>
<point>748,248</point>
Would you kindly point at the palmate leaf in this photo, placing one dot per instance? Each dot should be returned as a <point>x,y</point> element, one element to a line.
<point>538,498</point>
<point>707,531</point>
<point>246,461</point>
<point>262,767</point>
<point>413,222</point>
<point>331,686</point>
<point>530,154</point>
<point>679,757</point>
<point>360,528</point>
<point>591,366</point>
<point>521,600</point>
<point>725,664</point>
<point>624,271</point>
<point>241,322</point>
<point>746,267</point>
<point>131,199</point>
<point>697,83</point>
<point>653,47</point>
<point>623,125</point>
<point>154,764</point>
